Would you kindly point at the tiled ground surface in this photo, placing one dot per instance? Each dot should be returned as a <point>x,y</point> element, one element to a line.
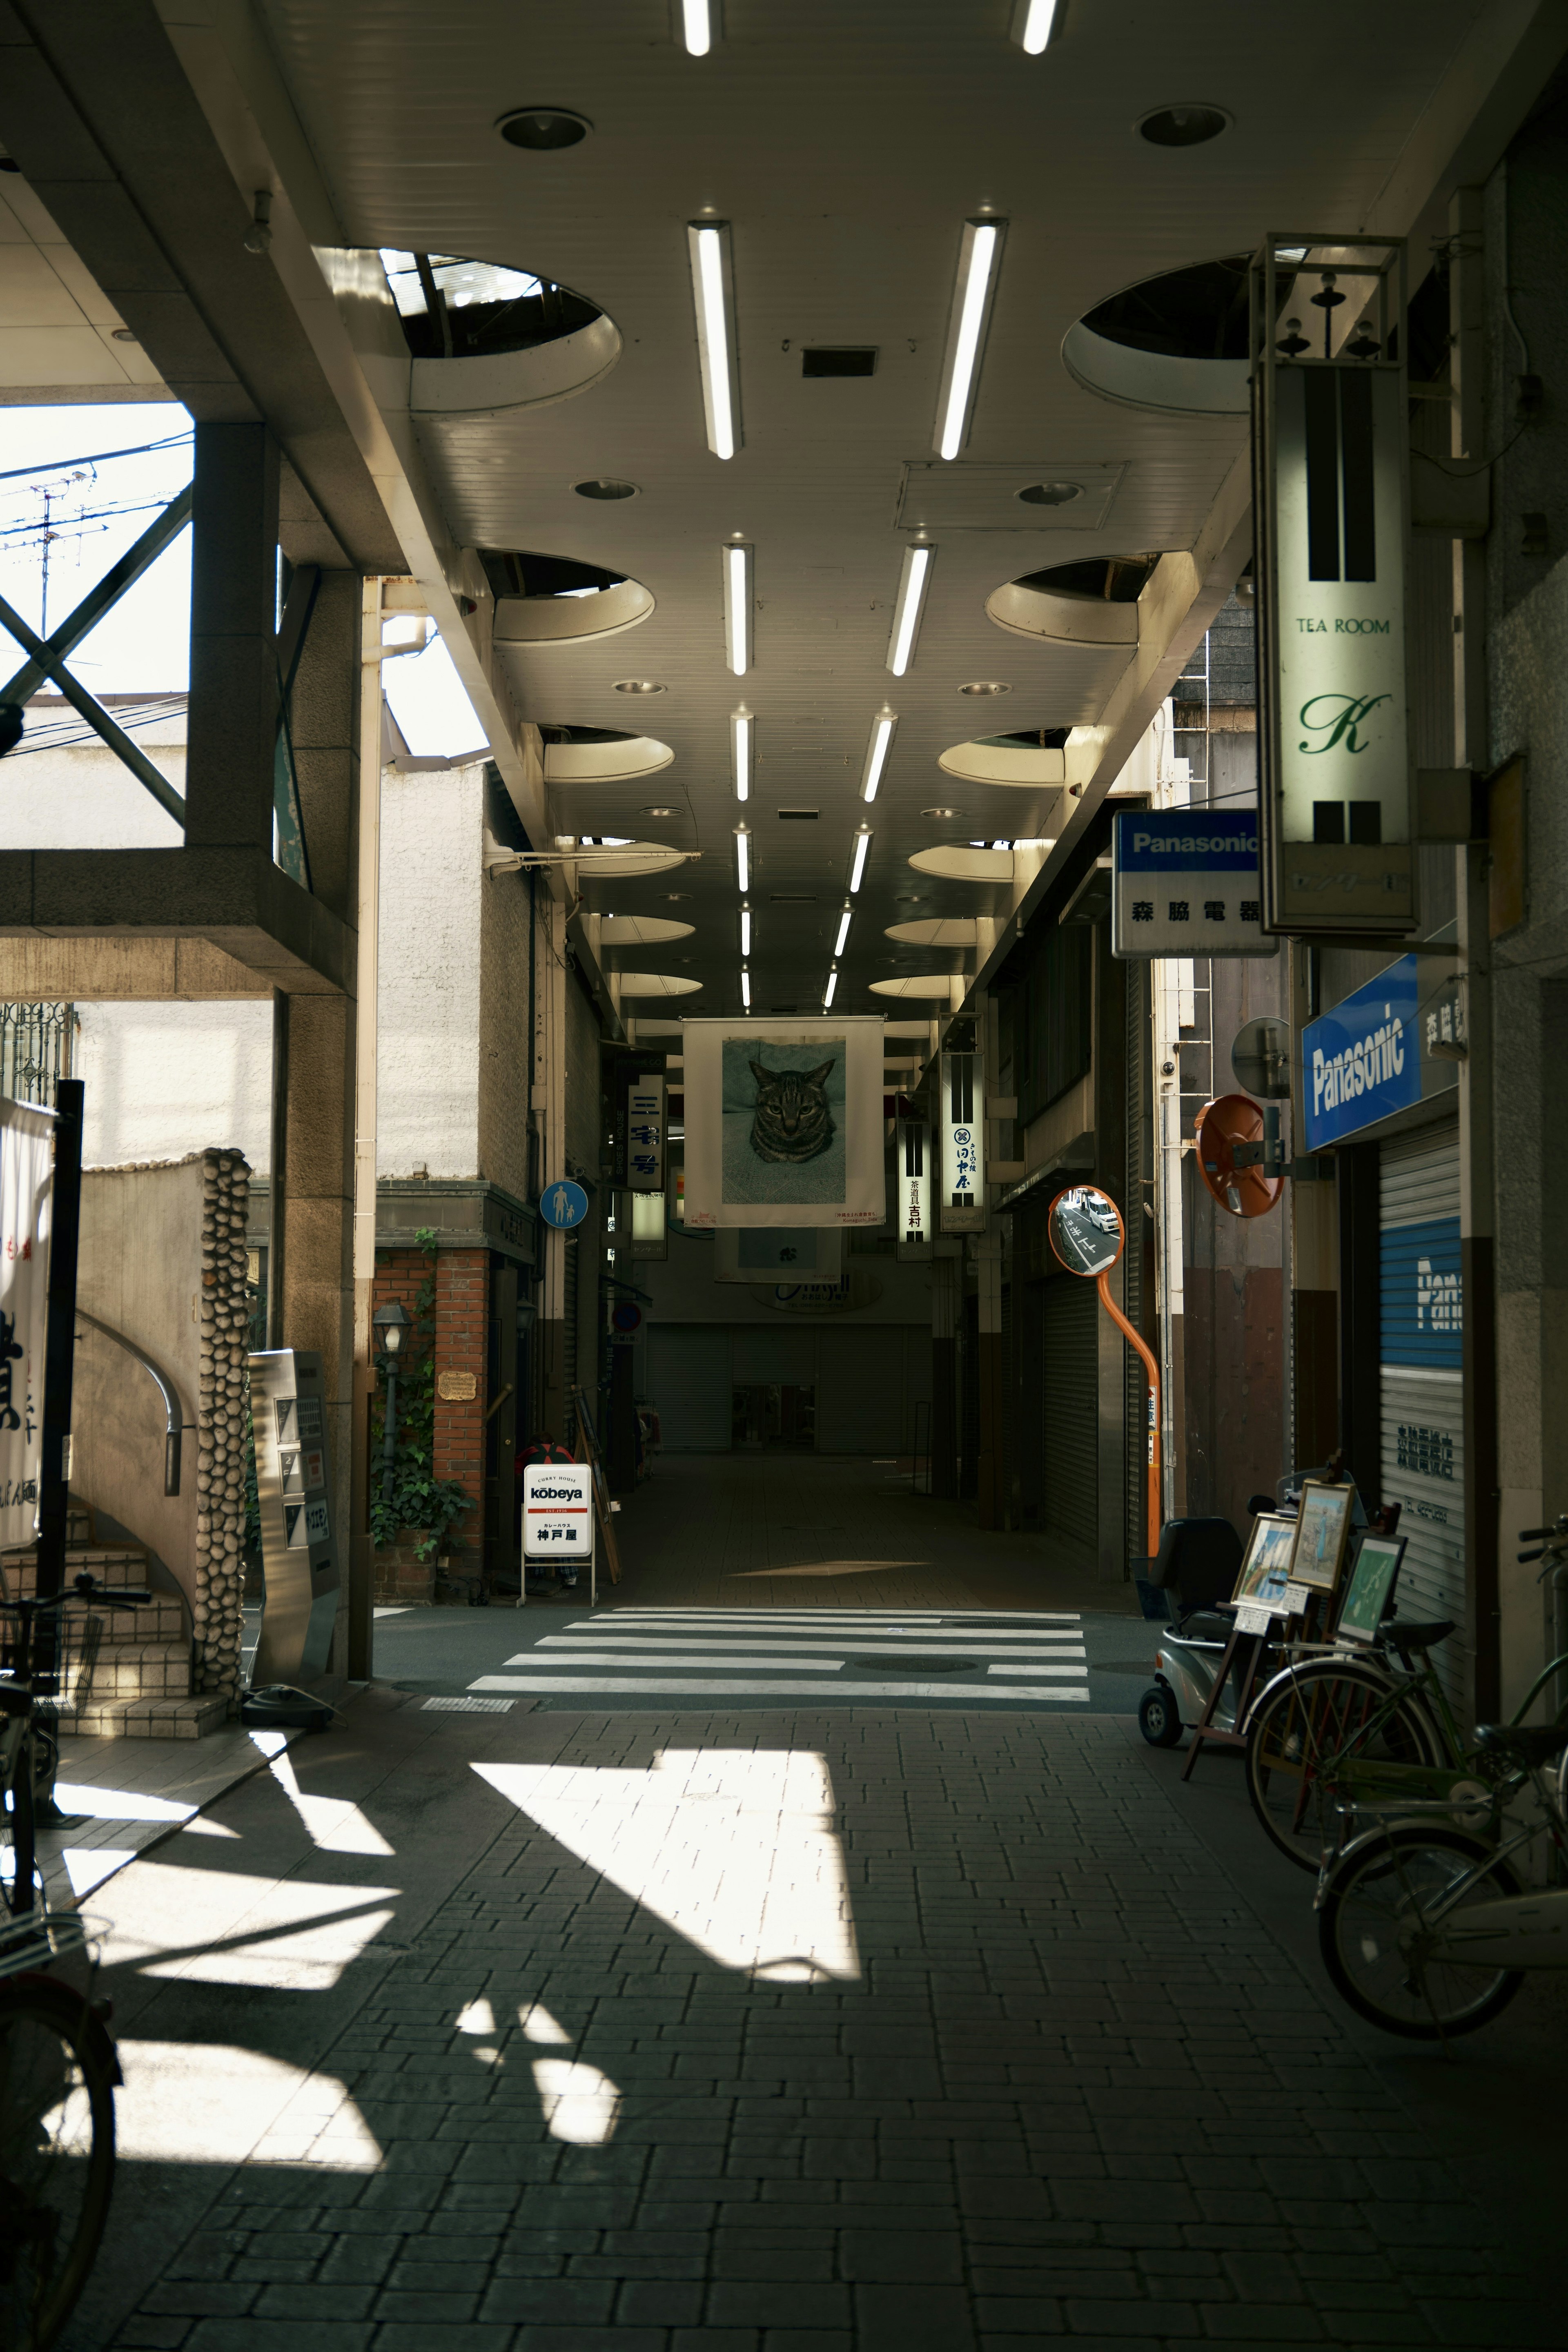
<point>1066,2067</point>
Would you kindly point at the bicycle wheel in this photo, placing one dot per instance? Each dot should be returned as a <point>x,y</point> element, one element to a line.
<point>1371,1931</point>
<point>56,2157</point>
<point>1303,1722</point>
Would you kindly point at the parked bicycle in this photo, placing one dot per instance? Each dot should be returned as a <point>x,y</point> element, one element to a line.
<point>1425,1926</point>
<point>1356,1729</point>
<point>58,2065</point>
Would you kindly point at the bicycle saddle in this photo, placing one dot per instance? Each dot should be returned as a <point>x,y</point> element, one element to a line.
<point>1410,1639</point>
<point>1530,1744</point>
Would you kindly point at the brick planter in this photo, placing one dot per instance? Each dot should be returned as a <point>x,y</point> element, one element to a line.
<point>402,1580</point>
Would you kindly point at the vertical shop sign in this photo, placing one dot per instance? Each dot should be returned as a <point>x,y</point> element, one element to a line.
<point>26,1166</point>
<point>1331,457</point>
<point>644,1135</point>
<point>962,1206</point>
<point>912,1174</point>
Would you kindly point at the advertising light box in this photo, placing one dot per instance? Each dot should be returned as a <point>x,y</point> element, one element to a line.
<point>1185,882</point>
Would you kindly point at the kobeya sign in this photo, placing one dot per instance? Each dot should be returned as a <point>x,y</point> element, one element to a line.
<point>1361,1061</point>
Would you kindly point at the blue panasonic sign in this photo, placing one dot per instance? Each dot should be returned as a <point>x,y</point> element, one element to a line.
<point>1201,841</point>
<point>1185,882</point>
<point>1363,1061</point>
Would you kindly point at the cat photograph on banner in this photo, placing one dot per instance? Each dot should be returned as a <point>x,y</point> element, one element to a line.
<point>782,1120</point>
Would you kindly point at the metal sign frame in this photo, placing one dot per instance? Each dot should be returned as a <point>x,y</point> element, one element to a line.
<point>962,1139</point>
<point>1331,448</point>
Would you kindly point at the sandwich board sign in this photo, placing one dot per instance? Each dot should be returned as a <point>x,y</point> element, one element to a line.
<point>558,1511</point>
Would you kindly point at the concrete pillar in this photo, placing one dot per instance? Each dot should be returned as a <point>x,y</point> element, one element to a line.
<point>316,1286</point>
<point>234,670</point>
<point>946,1296</point>
<point>989,1372</point>
<point>550,1398</point>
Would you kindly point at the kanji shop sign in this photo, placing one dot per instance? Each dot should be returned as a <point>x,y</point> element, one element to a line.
<point>27,1175</point>
<point>644,1135</point>
<point>962,1205</point>
<point>1185,882</point>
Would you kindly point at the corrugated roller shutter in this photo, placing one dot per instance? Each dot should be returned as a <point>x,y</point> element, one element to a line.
<point>1422,1314</point>
<point>1070,1397</point>
<point>688,1382</point>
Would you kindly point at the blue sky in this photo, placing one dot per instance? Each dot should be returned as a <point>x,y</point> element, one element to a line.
<point>96,510</point>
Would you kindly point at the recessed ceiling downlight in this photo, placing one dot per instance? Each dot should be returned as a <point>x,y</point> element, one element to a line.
<point>1051,494</point>
<point>1183,126</point>
<point>542,127</point>
<point>942,811</point>
<point>604,486</point>
<point>638,685</point>
<point>985,685</point>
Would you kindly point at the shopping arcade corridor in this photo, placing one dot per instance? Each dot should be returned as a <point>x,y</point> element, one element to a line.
<point>696,2031</point>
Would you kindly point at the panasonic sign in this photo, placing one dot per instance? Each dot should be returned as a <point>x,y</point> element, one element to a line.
<point>1361,1061</point>
<point>1185,882</point>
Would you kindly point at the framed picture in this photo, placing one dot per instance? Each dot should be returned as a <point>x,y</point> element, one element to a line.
<point>1266,1570</point>
<point>1372,1585</point>
<point>1322,1530</point>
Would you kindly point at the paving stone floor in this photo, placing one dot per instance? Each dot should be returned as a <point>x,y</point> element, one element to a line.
<point>827,2030</point>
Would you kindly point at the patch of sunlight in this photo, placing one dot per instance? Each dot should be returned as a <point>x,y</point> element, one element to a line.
<point>580,2103</point>
<point>335,1824</point>
<point>825,1567</point>
<point>220,1927</point>
<point>116,1805</point>
<point>88,1866</point>
<point>204,2103</point>
<point>203,1827</point>
<point>736,1849</point>
<point>478,2017</point>
<point>539,2026</point>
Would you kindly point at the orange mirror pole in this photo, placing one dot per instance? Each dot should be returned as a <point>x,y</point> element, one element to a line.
<point>1152,1369</point>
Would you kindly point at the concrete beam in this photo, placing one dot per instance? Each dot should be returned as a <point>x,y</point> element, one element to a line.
<point>237,898</point>
<point>122,971</point>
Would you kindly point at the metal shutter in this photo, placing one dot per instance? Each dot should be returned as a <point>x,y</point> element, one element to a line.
<point>689,1383</point>
<point>1422,1313</point>
<point>860,1388</point>
<point>1069,1388</point>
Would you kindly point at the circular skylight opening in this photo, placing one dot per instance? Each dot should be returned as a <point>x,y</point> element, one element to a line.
<point>542,129</point>
<point>985,685</point>
<point>1183,126</point>
<point>605,486</point>
<point>638,685</point>
<point>1051,494</point>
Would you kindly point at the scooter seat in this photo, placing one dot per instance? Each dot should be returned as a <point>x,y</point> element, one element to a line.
<point>1530,1744</point>
<point>1204,1625</point>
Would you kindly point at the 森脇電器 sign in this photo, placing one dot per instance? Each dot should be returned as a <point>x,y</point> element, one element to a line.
<point>1185,882</point>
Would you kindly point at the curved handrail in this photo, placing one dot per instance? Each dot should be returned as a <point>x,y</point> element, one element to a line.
<point>173,1408</point>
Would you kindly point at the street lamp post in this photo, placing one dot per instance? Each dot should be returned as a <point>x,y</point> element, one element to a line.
<point>392,1322</point>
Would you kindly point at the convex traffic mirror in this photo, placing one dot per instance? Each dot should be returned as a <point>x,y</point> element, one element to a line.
<point>1086,1231</point>
<point>1260,1057</point>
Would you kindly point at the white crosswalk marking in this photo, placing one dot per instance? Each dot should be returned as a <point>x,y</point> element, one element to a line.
<point>881,1657</point>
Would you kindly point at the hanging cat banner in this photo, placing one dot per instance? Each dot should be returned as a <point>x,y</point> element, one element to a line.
<point>783,1123</point>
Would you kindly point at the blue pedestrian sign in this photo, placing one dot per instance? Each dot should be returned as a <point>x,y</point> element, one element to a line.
<point>563,1204</point>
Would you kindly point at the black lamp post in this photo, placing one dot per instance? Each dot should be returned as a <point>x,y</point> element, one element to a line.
<point>392,1322</point>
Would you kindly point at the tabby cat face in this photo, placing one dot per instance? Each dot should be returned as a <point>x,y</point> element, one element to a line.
<point>793,1121</point>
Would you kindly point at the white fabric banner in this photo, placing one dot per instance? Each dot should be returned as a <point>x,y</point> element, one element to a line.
<point>26,1187</point>
<point>784,1122</point>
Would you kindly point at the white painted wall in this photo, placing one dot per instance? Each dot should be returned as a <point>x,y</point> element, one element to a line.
<point>71,793</point>
<point>427,1066</point>
<point>164,1079</point>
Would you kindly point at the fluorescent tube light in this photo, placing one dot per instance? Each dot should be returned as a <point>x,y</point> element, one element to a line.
<point>743,857</point>
<point>738,609</point>
<point>708,243</point>
<point>745,931</point>
<point>913,584</point>
<point>844,920</point>
<point>742,724</point>
<point>745,988</point>
<point>827,992</point>
<point>697,27</point>
<point>1033,24</point>
<point>980,250</point>
<point>882,727</point>
<point>862,844</point>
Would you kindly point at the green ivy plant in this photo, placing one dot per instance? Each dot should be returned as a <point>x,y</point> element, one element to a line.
<point>419,1499</point>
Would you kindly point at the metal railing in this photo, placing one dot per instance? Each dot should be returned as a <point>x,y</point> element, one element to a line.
<point>35,1050</point>
<point>174,1426</point>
